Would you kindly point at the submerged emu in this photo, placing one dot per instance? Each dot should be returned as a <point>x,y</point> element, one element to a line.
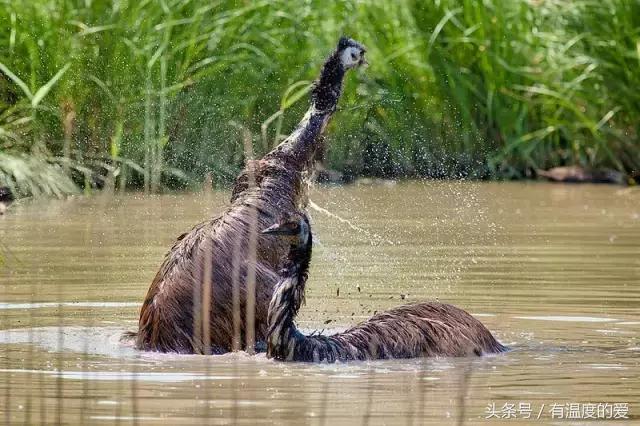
<point>413,330</point>
<point>201,268</point>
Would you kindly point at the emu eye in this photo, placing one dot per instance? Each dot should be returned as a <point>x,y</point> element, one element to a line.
<point>354,56</point>
<point>292,226</point>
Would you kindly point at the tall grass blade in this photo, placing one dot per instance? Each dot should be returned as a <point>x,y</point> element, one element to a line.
<point>21,84</point>
<point>42,91</point>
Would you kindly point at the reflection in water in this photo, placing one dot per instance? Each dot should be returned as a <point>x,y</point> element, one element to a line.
<point>552,270</point>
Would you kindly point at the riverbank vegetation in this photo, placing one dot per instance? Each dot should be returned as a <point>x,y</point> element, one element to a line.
<point>157,94</point>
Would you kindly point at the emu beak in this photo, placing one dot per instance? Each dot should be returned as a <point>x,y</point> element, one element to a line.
<point>278,229</point>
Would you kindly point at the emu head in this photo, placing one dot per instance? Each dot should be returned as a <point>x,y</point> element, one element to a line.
<point>351,53</point>
<point>294,228</point>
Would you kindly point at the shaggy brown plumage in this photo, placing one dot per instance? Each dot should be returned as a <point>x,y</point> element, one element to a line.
<point>216,252</point>
<point>414,330</point>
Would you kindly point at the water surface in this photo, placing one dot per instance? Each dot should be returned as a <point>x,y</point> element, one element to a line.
<point>553,270</point>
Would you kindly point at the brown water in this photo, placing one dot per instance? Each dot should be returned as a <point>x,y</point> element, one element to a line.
<point>553,270</point>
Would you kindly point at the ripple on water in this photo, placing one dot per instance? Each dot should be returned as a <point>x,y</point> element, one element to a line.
<point>48,305</point>
<point>106,342</point>
<point>565,318</point>
<point>164,377</point>
<point>92,340</point>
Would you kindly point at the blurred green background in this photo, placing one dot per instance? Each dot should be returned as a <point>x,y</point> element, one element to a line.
<point>155,94</point>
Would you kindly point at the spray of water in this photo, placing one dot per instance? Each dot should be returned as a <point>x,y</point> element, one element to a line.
<point>375,238</point>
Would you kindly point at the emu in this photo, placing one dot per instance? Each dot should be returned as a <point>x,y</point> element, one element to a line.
<point>409,331</point>
<point>192,305</point>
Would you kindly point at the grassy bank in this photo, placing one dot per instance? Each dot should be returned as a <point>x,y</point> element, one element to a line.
<point>159,93</point>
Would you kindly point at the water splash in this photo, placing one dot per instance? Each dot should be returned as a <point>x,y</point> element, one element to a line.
<point>373,237</point>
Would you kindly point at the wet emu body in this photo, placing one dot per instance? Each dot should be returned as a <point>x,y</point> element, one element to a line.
<point>203,281</point>
<point>408,331</point>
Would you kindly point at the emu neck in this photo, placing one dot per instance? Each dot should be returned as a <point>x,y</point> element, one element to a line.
<point>297,270</point>
<point>286,301</point>
<point>327,89</point>
<point>299,149</point>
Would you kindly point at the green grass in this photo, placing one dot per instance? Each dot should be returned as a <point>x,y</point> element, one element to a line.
<point>153,94</point>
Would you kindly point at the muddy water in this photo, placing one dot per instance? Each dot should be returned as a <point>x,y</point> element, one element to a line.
<point>553,270</point>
